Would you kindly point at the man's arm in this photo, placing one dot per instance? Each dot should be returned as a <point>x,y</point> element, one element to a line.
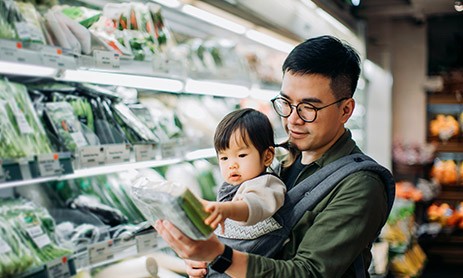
<point>200,250</point>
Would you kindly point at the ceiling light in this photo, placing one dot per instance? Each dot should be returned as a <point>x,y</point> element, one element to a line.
<point>135,81</point>
<point>216,89</point>
<point>355,2</point>
<point>169,3</point>
<point>458,5</point>
<point>269,41</point>
<point>214,19</point>
<point>333,21</point>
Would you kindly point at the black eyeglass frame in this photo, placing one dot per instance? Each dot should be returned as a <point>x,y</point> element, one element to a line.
<point>291,106</point>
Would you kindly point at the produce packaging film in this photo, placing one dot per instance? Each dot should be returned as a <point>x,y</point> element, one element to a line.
<point>160,199</point>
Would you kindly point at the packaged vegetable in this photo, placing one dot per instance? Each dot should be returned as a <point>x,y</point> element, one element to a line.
<point>159,199</point>
<point>24,134</point>
<point>65,125</point>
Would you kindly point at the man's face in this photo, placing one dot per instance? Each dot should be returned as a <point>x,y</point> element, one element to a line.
<point>315,137</point>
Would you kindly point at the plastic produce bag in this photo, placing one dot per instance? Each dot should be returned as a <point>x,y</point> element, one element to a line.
<point>65,125</point>
<point>166,200</point>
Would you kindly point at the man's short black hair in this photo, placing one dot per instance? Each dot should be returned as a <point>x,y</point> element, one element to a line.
<point>329,57</point>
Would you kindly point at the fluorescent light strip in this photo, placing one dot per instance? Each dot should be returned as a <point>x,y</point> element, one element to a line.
<point>269,41</point>
<point>135,81</point>
<point>198,154</point>
<point>24,69</point>
<point>214,19</point>
<point>215,89</point>
<point>262,94</point>
<point>169,3</point>
<point>333,21</point>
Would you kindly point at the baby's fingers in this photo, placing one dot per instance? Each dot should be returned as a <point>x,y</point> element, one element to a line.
<point>216,221</point>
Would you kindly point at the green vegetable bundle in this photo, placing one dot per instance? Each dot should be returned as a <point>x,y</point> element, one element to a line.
<point>166,200</point>
<point>34,228</point>
<point>22,132</point>
<point>15,257</point>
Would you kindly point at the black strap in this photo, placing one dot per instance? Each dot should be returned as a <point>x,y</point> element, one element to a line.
<point>308,193</point>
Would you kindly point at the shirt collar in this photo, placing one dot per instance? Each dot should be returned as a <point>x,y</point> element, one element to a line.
<point>344,146</point>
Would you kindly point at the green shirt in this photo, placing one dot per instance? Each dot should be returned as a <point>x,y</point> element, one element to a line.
<point>326,241</point>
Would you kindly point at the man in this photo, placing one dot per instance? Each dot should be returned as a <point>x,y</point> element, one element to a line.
<point>319,78</point>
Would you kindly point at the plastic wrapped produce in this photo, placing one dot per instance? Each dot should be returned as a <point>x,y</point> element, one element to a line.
<point>65,125</point>
<point>22,132</point>
<point>173,202</point>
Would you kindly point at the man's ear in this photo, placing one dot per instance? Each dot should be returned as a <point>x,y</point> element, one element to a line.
<point>347,109</point>
<point>269,154</point>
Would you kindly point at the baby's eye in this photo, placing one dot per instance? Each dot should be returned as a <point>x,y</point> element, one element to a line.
<point>223,158</point>
<point>242,155</point>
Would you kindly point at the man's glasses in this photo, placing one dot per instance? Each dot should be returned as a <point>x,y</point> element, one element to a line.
<point>306,111</point>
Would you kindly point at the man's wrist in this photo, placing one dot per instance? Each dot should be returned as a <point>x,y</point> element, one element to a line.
<point>223,261</point>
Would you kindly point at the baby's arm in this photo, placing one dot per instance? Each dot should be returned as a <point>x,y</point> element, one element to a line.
<point>219,211</point>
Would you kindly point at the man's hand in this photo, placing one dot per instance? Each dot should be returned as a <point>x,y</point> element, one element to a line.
<point>187,248</point>
<point>196,268</point>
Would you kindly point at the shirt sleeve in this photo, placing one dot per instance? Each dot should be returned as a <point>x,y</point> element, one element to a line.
<point>264,195</point>
<point>326,241</point>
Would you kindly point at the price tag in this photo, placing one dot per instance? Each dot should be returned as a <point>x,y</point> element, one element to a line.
<point>145,152</point>
<point>101,251</point>
<point>123,248</point>
<point>53,57</point>
<point>146,242</point>
<point>12,51</point>
<point>4,247</point>
<point>117,153</point>
<point>59,268</point>
<point>168,149</point>
<point>106,59</point>
<point>40,238</point>
<point>49,165</point>
<point>22,29</point>
<point>23,125</point>
<point>90,156</point>
<point>79,139</point>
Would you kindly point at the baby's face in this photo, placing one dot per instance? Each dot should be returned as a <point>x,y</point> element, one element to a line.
<point>240,162</point>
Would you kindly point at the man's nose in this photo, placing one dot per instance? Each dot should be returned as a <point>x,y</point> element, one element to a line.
<point>294,116</point>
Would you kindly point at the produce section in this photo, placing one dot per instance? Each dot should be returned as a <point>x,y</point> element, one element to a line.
<point>116,89</point>
<point>71,145</point>
<point>440,217</point>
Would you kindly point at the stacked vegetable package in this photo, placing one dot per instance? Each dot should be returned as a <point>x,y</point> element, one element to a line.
<point>27,237</point>
<point>21,133</point>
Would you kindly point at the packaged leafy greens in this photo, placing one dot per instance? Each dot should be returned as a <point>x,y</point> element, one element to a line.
<point>34,228</point>
<point>65,125</point>
<point>166,200</point>
<point>15,256</point>
<point>24,134</point>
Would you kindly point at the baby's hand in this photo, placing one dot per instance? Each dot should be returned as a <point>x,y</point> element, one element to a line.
<point>216,216</point>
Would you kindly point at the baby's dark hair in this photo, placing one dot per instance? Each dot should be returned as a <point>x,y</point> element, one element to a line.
<point>248,121</point>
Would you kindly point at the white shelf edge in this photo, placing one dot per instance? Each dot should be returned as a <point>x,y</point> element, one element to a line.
<point>109,169</point>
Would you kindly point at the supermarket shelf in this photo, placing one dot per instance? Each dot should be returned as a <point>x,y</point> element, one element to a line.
<point>108,169</point>
<point>444,98</point>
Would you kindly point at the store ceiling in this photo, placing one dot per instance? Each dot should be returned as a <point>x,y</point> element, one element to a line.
<point>417,10</point>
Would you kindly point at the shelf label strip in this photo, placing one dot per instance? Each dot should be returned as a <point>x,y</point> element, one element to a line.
<point>49,165</point>
<point>59,268</point>
<point>106,59</point>
<point>145,152</point>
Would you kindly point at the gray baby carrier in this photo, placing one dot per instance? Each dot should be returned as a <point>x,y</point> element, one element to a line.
<point>304,197</point>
